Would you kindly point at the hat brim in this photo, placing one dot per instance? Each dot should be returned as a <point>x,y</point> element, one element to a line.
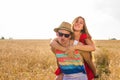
<point>56,29</point>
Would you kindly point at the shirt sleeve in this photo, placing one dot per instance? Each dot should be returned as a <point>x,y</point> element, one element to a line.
<point>82,38</point>
<point>58,71</point>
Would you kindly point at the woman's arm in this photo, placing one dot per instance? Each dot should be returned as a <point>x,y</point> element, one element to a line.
<point>89,47</point>
<point>55,44</point>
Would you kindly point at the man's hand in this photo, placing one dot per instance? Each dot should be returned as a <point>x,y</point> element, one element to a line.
<point>59,77</point>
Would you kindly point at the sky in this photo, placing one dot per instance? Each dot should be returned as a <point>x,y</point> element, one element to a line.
<point>36,19</point>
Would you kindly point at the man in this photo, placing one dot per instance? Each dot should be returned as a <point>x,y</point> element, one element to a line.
<point>72,66</point>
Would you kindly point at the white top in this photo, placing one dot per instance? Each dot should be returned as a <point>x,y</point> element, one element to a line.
<point>75,42</point>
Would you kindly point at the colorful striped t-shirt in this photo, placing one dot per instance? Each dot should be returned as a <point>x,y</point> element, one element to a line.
<point>70,65</point>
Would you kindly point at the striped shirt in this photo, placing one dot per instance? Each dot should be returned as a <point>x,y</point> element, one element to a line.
<point>70,65</point>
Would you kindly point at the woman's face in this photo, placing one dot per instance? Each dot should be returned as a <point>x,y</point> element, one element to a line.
<point>78,25</point>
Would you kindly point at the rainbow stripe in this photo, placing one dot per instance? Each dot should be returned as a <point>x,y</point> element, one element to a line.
<point>70,65</point>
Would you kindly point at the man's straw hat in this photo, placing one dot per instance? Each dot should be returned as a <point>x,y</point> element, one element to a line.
<point>64,26</point>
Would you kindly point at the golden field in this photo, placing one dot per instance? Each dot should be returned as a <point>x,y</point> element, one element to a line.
<point>33,60</point>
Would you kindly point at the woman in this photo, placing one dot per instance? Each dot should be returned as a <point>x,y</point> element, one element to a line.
<point>80,34</point>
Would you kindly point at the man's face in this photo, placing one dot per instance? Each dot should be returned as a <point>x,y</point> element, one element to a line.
<point>63,36</point>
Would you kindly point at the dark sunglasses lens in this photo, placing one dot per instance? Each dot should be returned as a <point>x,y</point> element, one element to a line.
<point>67,35</point>
<point>60,34</point>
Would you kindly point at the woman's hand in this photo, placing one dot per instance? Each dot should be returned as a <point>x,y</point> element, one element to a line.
<point>70,51</point>
<point>72,48</point>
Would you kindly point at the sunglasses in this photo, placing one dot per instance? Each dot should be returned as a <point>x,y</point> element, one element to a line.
<point>62,34</point>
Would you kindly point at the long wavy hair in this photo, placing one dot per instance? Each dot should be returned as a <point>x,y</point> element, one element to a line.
<point>85,30</point>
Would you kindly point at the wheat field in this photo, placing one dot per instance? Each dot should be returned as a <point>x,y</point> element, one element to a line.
<point>33,60</point>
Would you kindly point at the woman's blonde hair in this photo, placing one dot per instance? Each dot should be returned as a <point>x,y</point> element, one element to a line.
<point>85,30</point>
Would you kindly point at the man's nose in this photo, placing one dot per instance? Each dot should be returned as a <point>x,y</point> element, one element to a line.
<point>63,36</point>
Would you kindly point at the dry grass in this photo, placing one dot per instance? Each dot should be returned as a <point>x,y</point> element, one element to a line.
<point>107,59</point>
<point>33,60</point>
